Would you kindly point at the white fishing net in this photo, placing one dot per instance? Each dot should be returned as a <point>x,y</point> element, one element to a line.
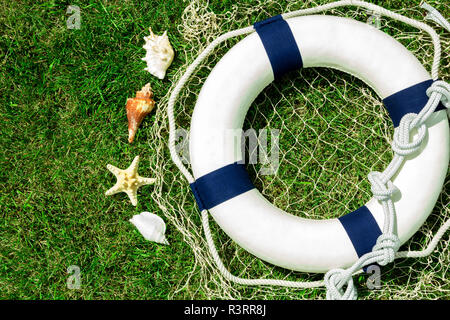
<point>333,132</point>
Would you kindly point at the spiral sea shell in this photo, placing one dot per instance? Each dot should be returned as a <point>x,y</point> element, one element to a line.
<point>152,227</point>
<point>159,54</point>
<point>138,108</point>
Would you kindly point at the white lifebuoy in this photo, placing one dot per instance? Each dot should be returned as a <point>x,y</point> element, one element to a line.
<point>251,220</point>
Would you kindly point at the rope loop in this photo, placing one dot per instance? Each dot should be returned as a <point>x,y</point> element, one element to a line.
<point>441,88</point>
<point>403,144</point>
<point>387,245</point>
<point>380,190</point>
<point>335,280</point>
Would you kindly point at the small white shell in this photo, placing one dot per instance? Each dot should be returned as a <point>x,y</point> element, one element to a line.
<point>150,226</point>
<point>159,54</point>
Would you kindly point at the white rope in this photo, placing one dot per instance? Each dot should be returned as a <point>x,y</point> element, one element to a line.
<point>435,16</point>
<point>431,246</point>
<point>385,250</point>
<point>387,244</point>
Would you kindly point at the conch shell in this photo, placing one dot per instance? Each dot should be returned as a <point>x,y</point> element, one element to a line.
<point>150,226</point>
<point>138,108</point>
<point>159,54</point>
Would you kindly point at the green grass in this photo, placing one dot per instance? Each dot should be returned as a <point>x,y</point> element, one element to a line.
<point>62,97</point>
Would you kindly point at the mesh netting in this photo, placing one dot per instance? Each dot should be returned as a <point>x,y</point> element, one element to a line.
<point>333,132</point>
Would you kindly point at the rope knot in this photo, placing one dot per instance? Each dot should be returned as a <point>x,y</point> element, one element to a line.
<point>387,245</point>
<point>403,144</point>
<point>441,88</point>
<point>335,280</point>
<point>381,191</point>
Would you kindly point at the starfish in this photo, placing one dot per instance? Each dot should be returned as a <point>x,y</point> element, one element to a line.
<point>128,181</point>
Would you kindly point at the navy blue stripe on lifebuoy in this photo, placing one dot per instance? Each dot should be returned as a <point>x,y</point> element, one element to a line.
<point>221,185</point>
<point>362,229</point>
<point>280,45</point>
<point>409,100</point>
